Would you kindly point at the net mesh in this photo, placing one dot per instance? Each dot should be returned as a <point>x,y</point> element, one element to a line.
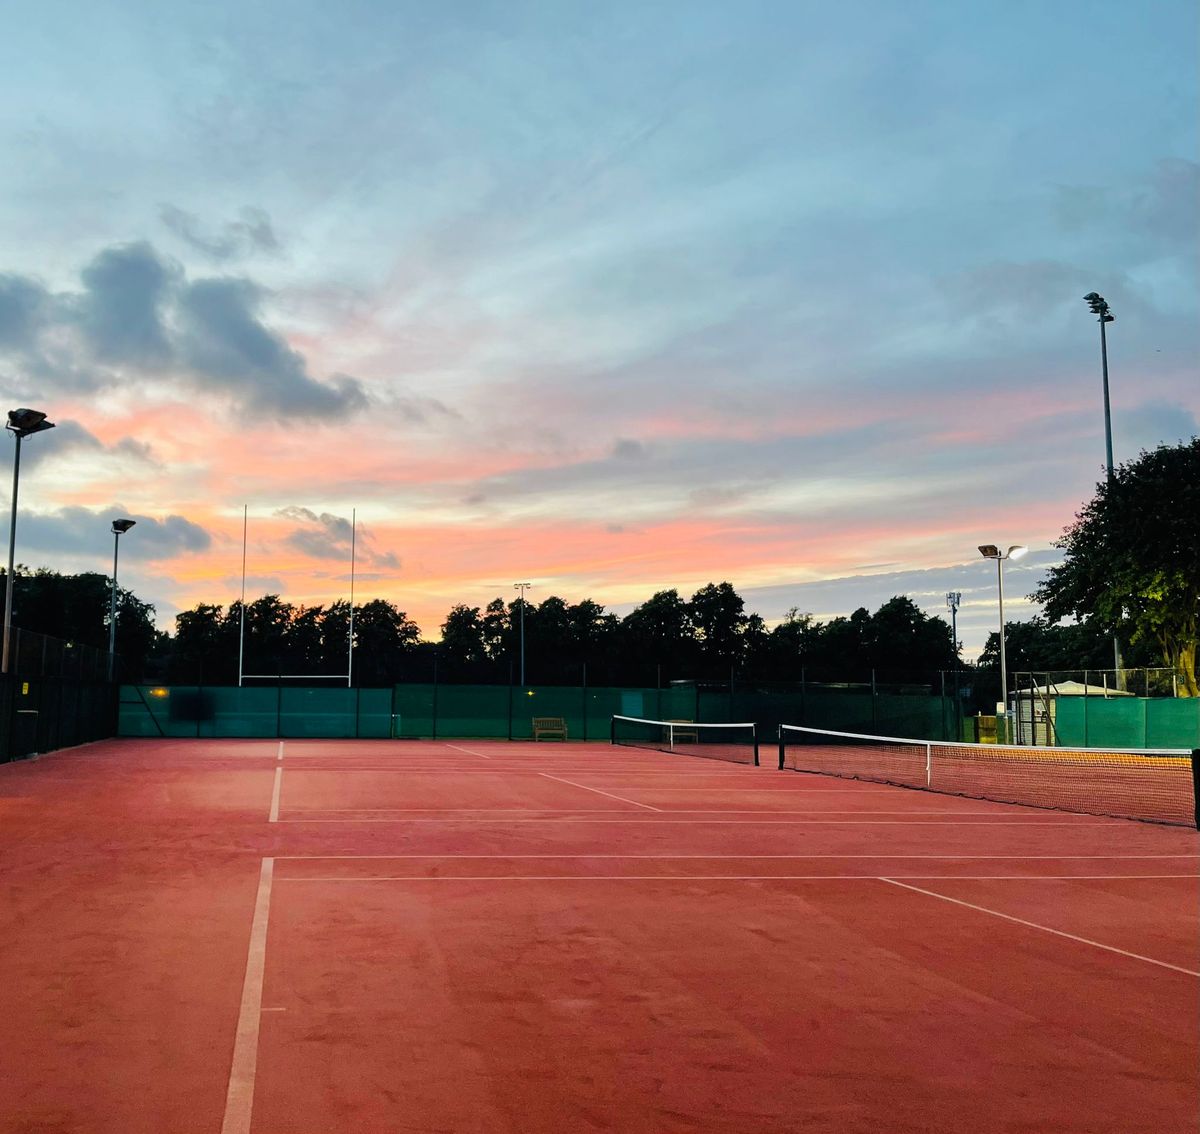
<point>1157,785</point>
<point>737,743</point>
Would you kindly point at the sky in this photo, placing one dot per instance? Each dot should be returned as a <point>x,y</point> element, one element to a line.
<point>607,298</point>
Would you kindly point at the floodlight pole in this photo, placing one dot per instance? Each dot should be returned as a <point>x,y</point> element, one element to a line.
<point>991,551</point>
<point>119,528</point>
<point>21,423</point>
<point>522,587</point>
<point>1099,307</point>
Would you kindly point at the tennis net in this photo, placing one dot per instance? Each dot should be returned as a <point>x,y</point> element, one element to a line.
<point>737,743</point>
<point>1157,785</point>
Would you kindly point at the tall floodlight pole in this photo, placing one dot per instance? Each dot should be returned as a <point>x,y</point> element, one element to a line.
<point>953,598</point>
<point>991,551</point>
<point>119,528</point>
<point>1098,306</point>
<point>522,587</point>
<point>21,424</point>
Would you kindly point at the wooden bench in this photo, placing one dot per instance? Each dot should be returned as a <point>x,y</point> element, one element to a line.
<point>549,727</point>
<point>683,734</point>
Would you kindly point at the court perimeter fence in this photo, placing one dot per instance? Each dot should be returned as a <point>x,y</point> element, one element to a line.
<point>507,711</point>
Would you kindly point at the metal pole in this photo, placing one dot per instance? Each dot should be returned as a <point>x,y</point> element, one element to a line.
<point>350,639</point>
<point>112,611</point>
<point>1107,413</point>
<point>12,543</point>
<point>1003,663</point>
<point>522,639</point>
<point>1108,453</point>
<point>242,622</point>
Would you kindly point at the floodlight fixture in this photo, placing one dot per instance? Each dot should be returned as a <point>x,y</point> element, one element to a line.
<point>992,551</point>
<point>24,422</point>
<point>522,587</point>
<point>21,423</point>
<point>119,528</point>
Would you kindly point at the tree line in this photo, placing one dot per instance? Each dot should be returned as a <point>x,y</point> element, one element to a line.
<point>1131,567</point>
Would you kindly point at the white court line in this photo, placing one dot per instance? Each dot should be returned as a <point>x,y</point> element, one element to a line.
<point>239,1099</point>
<point>610,795</point>
<point>754,822</point>
<point>661,810</point>
<point>468,810</point>
<point>794,857</point>
<point>279,756</point>
<point>275,793</point>
<point>1043,928</point>
<point>755,878</point>
<point>468,751</point>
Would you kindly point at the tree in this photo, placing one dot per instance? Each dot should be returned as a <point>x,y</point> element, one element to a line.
<point>1132,557</point>
<point>462,636</point>
<point>718,616</point>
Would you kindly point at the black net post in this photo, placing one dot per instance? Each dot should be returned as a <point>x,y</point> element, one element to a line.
<point>754,734</point>
<point>1196,783</point>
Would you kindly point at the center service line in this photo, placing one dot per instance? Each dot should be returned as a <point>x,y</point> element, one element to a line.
<point>239,1099</point>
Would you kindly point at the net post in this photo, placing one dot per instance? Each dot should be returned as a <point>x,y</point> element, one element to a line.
<point>612,730</point>
<point>754,737</point>
<point>781,749</point>
<point>671,737</point>
<point>1196,784</point>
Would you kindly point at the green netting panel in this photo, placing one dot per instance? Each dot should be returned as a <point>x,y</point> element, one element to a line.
<point>605,702</point>
<point>1070,722</point>
<point>1172,723</point>
<point>155,710</point>
<point>374,712</point>
<point>550,701</point>
<point>412,710</point>
<point>1119,722</point>
<point>915,715</point>
<point>678,703</point>
<point>230,711</point>
<point>473,710</point>
<point>841,710</point>
<point>329,713</point>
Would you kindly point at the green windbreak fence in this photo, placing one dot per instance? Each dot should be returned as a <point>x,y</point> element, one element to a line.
<point>1127,722</point>
<point>501,711</point>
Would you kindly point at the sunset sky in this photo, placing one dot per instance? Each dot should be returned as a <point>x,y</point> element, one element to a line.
<point>609,297</point>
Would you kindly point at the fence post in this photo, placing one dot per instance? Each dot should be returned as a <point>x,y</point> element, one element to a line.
<point>510,700</point>
<point>433,715</point>
<point>874,702</point>
<point>585,701</point>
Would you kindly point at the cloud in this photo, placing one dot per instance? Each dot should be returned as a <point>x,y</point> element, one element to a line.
<point>223,341</point>
<point>121,308</point>
<point>71,437</point>
<point>251,232</point>
<point>326,536</point>
<point>76,530</point>
<point>24,306</point>
<point>138,318</point>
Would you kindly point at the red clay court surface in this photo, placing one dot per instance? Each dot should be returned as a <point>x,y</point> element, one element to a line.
<point>339,937</point>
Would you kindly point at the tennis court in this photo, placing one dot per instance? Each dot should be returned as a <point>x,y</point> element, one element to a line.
<point>318,937</point>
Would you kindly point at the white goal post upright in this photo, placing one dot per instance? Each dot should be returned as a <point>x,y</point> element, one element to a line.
<point>349,674</point>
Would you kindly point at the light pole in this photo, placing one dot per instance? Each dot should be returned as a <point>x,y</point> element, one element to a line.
<point>522,587</point>
<point>21,423</point>
<point>953,598</point>
<point>991,551</point>
<point>119,528</point>
<point>1098,306</point>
